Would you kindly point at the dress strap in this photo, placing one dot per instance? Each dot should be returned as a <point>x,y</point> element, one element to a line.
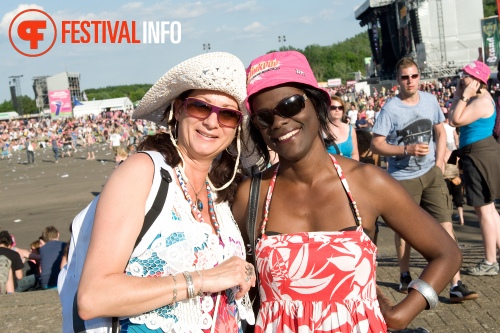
<point>352,203</point>
<point>343,180</point>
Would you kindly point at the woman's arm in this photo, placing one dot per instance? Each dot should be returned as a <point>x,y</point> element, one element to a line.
<point>104,289</point>
<point>424,234</point>
<point>463,113</point>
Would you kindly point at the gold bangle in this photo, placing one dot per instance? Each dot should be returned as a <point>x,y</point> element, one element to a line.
<point>200,292</point>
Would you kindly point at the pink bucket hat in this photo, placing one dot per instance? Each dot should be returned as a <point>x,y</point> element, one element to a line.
<point>277,68</point>
<point>478,70</point>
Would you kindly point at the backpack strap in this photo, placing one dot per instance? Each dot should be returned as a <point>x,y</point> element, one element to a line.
<point>158,204</point>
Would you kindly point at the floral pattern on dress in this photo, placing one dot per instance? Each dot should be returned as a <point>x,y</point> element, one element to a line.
<point>301,291</point>
<point>318,281</point>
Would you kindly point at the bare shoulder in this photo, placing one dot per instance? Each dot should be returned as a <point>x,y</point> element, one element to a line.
<point>137,170</point>
<point>368,181</point>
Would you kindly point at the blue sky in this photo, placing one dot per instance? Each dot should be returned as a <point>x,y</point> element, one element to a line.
<point>245,28</point>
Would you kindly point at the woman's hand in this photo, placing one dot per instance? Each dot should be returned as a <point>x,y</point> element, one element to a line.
<point>471,89</point>
<point>234,272</point>
<point>388,311</point>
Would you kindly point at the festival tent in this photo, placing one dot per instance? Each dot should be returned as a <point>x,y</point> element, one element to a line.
<point>8,115</point>
<point>96,107</point>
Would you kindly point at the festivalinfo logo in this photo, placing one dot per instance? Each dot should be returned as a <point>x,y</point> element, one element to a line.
<point>33,32</point>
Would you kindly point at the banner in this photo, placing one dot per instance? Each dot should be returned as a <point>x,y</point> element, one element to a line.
<point>60,104</point>
<point>334,82</point>
<point>489,31</point>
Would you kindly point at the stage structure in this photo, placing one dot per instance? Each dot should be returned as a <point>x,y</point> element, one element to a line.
<point>441,35</point>
<point>41,92</point>
<point>62,81</point>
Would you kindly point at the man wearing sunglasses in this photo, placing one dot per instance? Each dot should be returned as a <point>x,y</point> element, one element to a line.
<point>410,131</point>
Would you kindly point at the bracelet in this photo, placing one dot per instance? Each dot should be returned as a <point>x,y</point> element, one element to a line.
<point>200,292</point>
<point>190,285</point>
<point>405,150</point>
<point>427,291</point>
<point>464,99</point>
<point>174,298</point>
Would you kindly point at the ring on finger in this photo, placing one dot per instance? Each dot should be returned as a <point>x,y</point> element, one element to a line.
<point>247,278</point>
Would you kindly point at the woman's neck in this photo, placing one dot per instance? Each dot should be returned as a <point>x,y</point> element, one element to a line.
<point>195,171</point>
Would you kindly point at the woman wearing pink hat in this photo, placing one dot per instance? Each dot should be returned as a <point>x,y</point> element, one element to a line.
<point>473,110</point>
<point>315,260</point>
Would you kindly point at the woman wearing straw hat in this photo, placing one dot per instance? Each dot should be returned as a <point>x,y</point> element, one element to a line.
<point>315,261</point>
<point>202,278</point>
<point>473,110</point>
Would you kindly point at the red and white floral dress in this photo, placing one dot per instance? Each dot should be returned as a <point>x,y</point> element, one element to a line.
<point>318,281</point>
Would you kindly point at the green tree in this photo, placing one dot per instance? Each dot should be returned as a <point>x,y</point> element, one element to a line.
<point>6,106</point>
<point>27,104</point>
<point>489,7</point>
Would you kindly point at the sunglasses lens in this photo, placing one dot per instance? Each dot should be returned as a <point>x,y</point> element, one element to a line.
<point>336,107</point>
<point>229,118</point>
<point>198,109</point>
<point>287,108</point>
<point>202,110</point>
<point>263,119</point>
<point>290,106</point>
<point>406,77</point>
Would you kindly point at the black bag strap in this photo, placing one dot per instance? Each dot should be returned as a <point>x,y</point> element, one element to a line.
<point>336,147</point>
<point>157,206</point>
<point>253,205</point>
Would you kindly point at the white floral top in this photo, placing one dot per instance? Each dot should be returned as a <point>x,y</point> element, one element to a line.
<point>188,245</point>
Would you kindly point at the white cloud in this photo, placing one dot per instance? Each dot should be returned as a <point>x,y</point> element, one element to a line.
<point>226,29</point>
<point>327,14</point>
<point>254,27</point>
<point>8,17</point>
<point>132,6</point>
<point>306,19</point>
<point>248,6</point>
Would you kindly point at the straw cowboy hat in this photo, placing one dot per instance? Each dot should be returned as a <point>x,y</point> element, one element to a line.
<point>218,71</point>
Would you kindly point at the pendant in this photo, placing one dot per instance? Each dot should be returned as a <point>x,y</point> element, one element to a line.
<point>199,204</point>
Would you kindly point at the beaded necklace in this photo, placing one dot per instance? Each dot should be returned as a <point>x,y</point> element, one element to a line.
<point>194,208</point>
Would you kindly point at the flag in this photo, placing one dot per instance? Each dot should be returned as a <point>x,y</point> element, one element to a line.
<point>76,101</point>
<point>84,95</point>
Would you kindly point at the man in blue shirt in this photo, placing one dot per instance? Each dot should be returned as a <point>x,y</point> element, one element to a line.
<point>410,131</point>
<point>50,257</point>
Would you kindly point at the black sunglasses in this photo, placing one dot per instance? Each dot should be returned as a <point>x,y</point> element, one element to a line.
<point>336,107</point>
<point>201,110</point>
<point>286,108</point>
<point>464,75</point>
<point>412,76</point>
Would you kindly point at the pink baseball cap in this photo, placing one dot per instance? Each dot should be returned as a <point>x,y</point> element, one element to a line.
<point>277,68</point>
<point>478,70</point>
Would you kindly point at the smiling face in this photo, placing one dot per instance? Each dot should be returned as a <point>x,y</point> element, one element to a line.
<point>292,138</point>
<point>204,139</point>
